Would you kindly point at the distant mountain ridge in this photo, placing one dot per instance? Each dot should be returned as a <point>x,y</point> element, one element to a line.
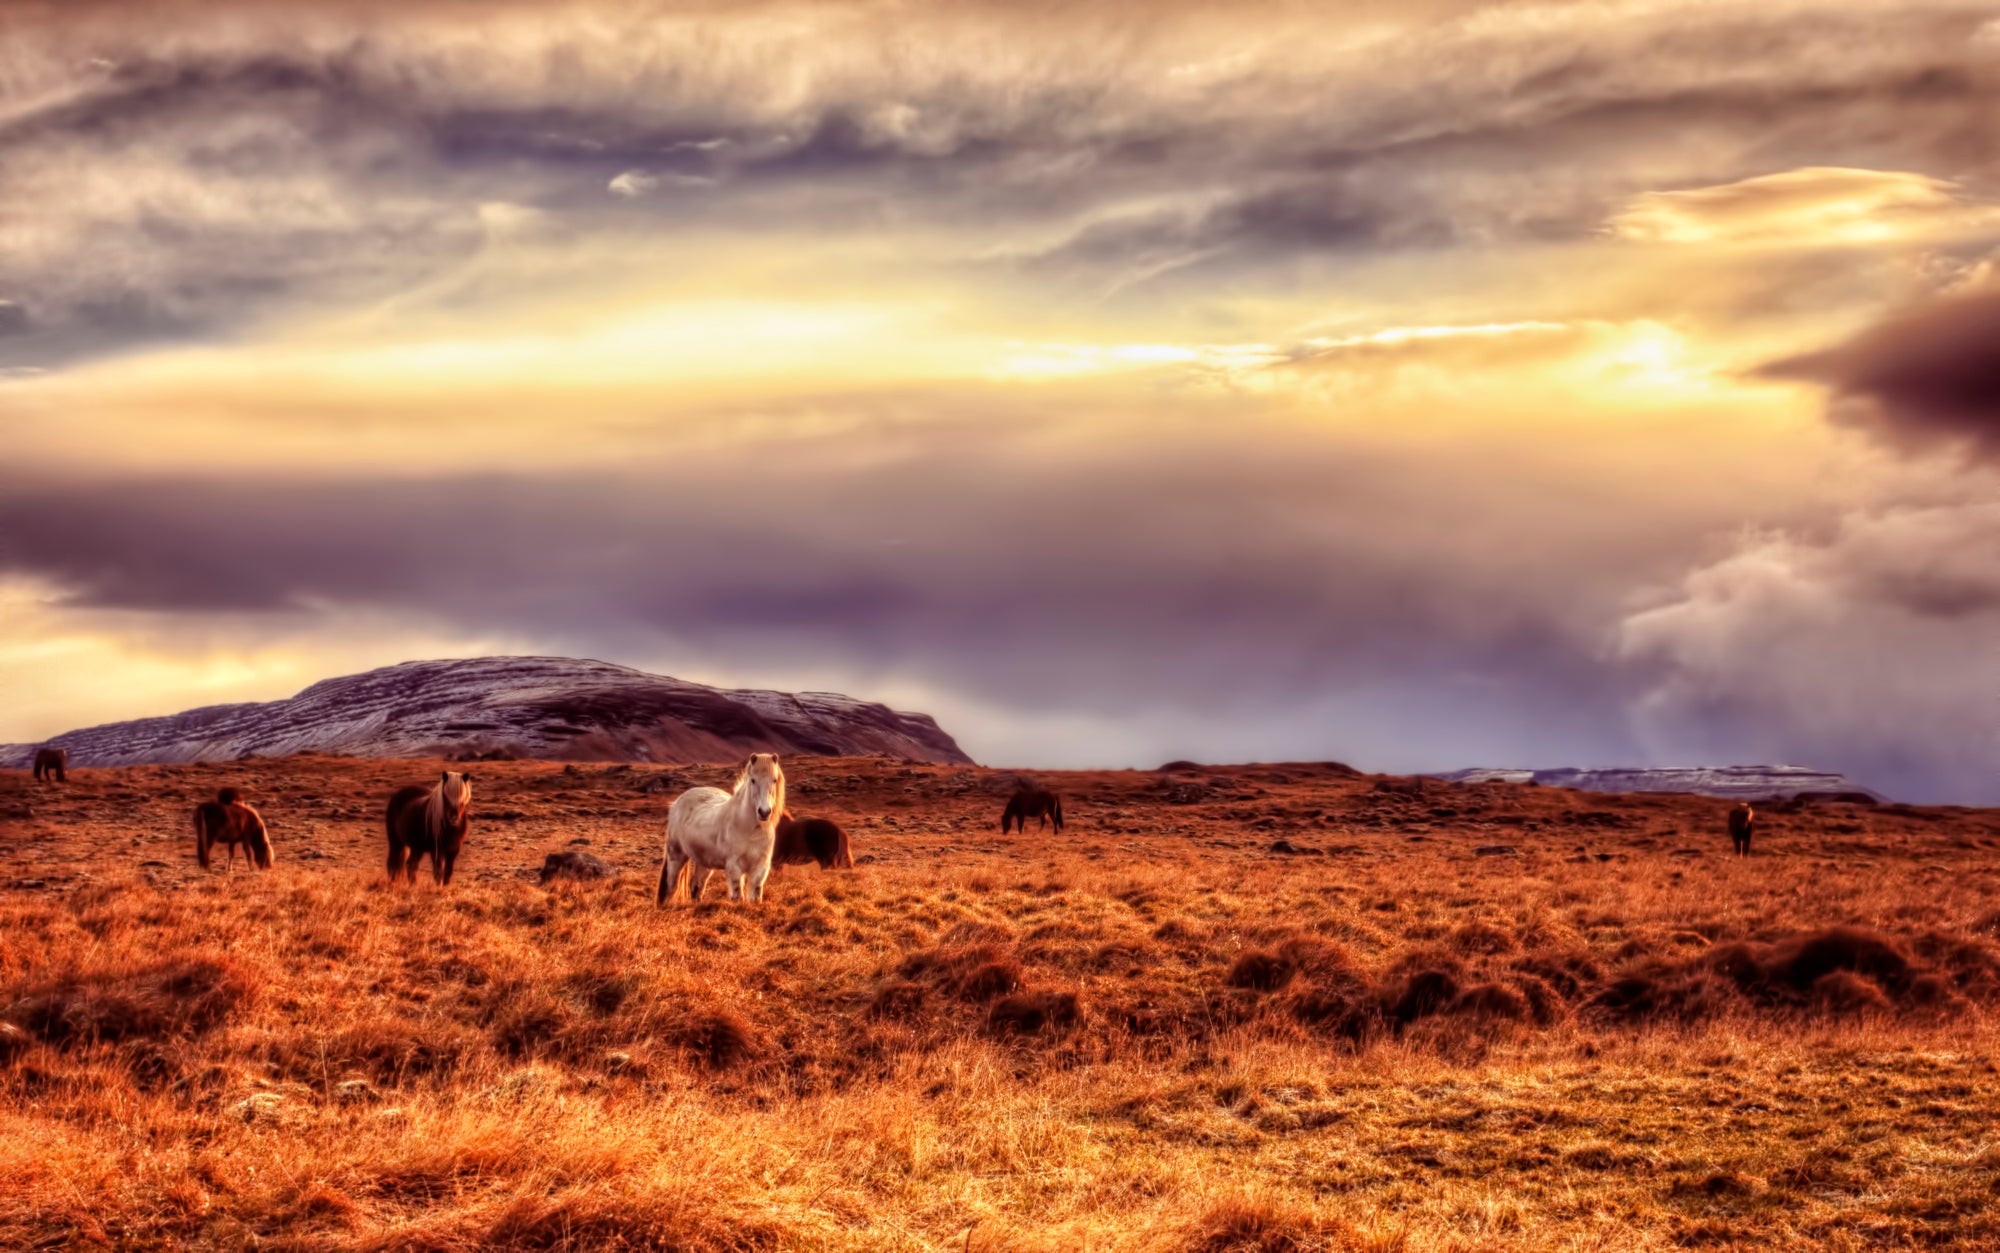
<point>1735,782</point>
<point>545,707</point>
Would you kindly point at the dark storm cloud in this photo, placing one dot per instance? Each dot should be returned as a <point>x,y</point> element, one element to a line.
<point>176,171</point>
<point>1926,377</point>
<point>1872,647</point>
<point>1213,578</point>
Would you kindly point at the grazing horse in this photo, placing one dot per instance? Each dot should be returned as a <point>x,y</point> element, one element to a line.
<point>227,820</point>
<point>1742,824</point>
<point>52,763</point>
<point>803,840</point>
<point>429,820</point>
<point>734,832</point>
<point>1032,802</point>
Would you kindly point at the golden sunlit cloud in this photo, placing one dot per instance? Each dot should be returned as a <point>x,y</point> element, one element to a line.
<point>1808,208</point>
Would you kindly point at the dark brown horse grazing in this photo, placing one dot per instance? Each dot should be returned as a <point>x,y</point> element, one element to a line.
<point>1032,802</point>
<point>1742,824</point>
<point>803,840</point>
<point>429,820</point>
<point>52,763</point>
<point>227,820</point>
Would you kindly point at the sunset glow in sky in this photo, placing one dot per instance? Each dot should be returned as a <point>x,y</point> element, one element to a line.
<point>1422,385</point>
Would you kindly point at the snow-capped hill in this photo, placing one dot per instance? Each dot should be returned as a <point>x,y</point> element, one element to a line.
<point>545,707</point>
<point>1745,782</point>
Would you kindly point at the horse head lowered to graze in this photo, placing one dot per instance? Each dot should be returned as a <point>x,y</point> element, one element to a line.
<point>429,820</point>
<point>734,832</point>
<point>227,820</point>
<point>1032,802</point>
<point>803,840</point>
<point>52,763</point>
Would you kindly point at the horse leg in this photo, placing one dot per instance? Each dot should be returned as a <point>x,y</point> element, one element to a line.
<point>734,878</point>
<point>450,864</point>
<point>758,874</point>
<point>696,876</point>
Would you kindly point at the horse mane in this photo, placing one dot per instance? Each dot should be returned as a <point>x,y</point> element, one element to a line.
<point>435,807</point>
<point>743,777</point>
<point>227,796</point>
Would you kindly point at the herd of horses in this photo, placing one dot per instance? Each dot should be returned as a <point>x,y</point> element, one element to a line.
<point>744,831</point>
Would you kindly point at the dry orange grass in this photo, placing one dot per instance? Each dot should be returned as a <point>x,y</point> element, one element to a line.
<point>1152,1033</point>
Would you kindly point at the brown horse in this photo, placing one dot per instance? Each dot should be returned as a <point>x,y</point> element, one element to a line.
<point>227,820</point>
<point>1032,802</point>
<point>52,763</point>
<point>429,820</point>
<point>1742,824</point>
<point>803,840</point>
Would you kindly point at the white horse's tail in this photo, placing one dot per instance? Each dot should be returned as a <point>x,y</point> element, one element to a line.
<point>677,890</point>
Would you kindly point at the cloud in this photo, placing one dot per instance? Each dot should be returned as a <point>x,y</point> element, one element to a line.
<point>1807,208</point>
<point>1874,649</point>
<point>185,171</point>
<point>1923,378</point>
<point>632,183</point>
<point>1241,587</point>
<point>1265,374</point>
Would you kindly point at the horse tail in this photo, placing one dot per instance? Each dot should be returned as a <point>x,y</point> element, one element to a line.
<point>201,834</point>
<point>395,839</point>
<point>1058,807</point>
<point>845,859</point>
<point>260,844</point>
<point>677,890</point>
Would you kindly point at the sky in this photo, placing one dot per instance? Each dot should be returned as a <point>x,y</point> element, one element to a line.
<point>1421,384</point>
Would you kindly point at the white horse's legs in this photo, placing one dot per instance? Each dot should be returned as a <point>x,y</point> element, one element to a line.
<point>758,873</point>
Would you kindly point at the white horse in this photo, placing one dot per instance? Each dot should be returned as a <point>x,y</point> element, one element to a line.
<point>734,832</point>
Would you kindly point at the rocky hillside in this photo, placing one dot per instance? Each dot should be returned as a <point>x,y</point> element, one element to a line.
<point>1744,782</point>
<point>540,707</point>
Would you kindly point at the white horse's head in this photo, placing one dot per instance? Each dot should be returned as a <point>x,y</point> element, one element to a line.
<point>764,780</point>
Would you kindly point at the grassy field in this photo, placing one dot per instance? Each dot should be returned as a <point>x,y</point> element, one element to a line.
<point>1457,1017</point>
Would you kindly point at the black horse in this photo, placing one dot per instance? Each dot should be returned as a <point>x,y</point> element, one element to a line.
<point>1742,824</point>
<point>1032,802</point>
<point>804,840</point>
